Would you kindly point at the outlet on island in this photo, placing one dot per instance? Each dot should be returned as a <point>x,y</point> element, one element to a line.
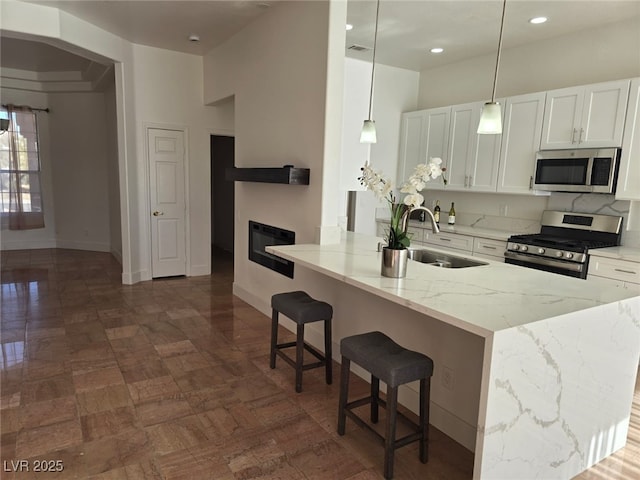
<point>447,378</point>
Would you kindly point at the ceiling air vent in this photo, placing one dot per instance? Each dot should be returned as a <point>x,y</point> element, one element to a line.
<point>358,48</point>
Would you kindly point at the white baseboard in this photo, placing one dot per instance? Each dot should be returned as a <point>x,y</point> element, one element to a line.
<point>252,299</point>
<point>117,255</point>
<point>80,245</point>
<point>197,270</point>
<point>28,244</point>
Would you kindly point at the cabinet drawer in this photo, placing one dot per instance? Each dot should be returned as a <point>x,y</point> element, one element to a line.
<point>485,246</point>
<point>415,233</point>
<point>614,269</point>
<point>449,240</point>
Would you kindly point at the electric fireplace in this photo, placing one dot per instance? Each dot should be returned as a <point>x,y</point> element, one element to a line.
<point>261,236</point>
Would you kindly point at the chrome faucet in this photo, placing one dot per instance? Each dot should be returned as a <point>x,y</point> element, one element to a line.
<point>405,219</point>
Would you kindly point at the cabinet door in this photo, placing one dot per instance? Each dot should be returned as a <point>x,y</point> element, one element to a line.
<point>603,115</point>
<point>629,177</point>
<point>449,240</point>
<point>460,145</point>
<point>411,142</point>
<point>436,135</point>
<point>489,249</point>
<point>521,133</point>
<point>423,134</point>
<point>485,157</point>
<point>563,111</point>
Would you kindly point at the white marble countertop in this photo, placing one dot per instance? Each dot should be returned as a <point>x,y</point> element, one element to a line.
<point>481,300</point>
<point>629,254</point>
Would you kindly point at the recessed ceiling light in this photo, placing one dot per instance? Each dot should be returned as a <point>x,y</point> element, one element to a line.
<point>349,27</point>
<point>194,38</point>
<point>537,20</point>
<point>437,50</point>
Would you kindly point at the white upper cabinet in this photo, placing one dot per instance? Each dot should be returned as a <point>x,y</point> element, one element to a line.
<point>424,134</point>
<point>521,133</point>
<point>473,159</point>
<point>590,116</point>
<point>629,176</point>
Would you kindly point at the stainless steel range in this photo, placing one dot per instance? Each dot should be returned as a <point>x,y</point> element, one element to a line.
<point>564,241</point>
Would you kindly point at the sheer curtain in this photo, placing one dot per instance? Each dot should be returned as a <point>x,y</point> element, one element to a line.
<point>20,171</point>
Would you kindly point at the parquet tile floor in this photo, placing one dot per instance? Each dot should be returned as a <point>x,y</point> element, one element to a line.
<point>170,379</point>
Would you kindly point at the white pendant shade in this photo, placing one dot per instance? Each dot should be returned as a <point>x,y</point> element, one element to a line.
<point>368,134</point>
<point>491,119</point>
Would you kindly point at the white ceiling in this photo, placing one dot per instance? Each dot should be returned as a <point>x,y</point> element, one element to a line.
<point>469,28</point>
<point>407,28</point>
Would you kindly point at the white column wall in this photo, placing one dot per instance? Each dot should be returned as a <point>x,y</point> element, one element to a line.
<point>277,69</point>
<point>80,171</point>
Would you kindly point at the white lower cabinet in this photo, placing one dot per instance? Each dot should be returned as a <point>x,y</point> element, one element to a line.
<point>489,249</point>
<point>454,241</point>
<point>615,272</point>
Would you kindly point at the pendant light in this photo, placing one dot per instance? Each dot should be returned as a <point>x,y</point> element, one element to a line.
<point>368,134</point>
<point>491,118</point>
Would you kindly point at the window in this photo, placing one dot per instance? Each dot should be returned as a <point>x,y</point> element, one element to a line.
<point>20,193</point>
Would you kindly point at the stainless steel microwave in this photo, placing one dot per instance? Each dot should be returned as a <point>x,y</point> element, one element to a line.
<point>583,170</point>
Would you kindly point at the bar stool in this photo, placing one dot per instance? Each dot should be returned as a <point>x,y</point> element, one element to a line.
<point>387,361</point>
<point>302,309</point>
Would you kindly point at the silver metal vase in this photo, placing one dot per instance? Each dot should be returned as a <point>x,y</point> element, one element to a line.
<point>394,262</point>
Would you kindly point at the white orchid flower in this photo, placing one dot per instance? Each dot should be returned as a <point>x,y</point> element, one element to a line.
<point>413,200</point>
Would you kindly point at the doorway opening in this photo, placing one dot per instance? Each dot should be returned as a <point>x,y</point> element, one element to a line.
<point>222,202</point>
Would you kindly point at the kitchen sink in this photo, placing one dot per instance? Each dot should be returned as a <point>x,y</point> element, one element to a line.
<point>443,260</point>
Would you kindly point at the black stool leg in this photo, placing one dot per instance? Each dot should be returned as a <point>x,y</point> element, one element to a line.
<point>375,398</point>
<point>390,437</point>
<point>425,387</point>
<point>344,394</point>
<point>274,337</point>
<point>299,356</point>
<point>328,355</point>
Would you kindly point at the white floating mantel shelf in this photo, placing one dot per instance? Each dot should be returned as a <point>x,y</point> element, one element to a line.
<point>286,175</point>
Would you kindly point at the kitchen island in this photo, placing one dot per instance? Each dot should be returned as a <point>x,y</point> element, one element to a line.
<point>557,361</point>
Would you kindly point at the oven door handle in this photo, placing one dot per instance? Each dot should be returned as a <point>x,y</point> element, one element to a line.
<point>570,266</point>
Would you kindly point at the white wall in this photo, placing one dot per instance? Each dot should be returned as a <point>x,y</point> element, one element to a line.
<point>277,70</point>
<point>153,87</point>
<point>115,230</point>
<point>168,94</point>
<point>609,52</point>
<point>80,170</point>
<point>395,92</point>
<point>40,237</point>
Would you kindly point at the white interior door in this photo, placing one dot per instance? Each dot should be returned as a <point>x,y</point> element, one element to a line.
<point>166,171</point>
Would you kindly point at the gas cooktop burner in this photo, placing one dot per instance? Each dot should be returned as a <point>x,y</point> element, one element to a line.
<point>564,241</point>
<point>576,245</point>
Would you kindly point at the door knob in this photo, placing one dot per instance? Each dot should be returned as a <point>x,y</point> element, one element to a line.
<point>157,213</point>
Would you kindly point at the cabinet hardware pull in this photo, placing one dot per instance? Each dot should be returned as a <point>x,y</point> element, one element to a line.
<point>573,135</point>
<point>157,213</point>
<point>625,271</point>
<point>531,182</point>
<point>489,247</point>
<point>445,239</point>
<point>580,137</point>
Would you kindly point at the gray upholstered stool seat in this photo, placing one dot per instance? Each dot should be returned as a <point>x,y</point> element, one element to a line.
<point>302,309</point>
<point>387,361</point>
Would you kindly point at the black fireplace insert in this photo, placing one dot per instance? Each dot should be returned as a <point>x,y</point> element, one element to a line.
<point>261,236</point>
